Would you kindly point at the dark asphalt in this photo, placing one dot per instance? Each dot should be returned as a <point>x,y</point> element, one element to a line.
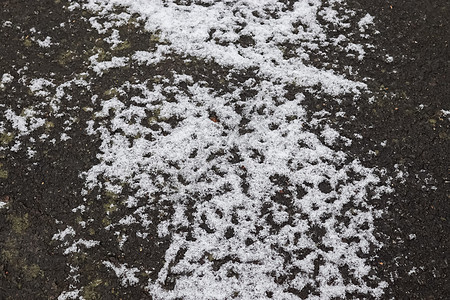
<point>415,33</point>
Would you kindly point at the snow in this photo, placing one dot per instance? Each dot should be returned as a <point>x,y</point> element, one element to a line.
<point>64,137</point>
<point>101,66</point>
<point>7,24</point>
<point>263,198</point>
<point>7,78</point>
<point>46,43</point>
<point>365,22</point>
<point>75,247</point>
<point>127,275</point>
<point>320,172</point>
<point>330,135</point>
<point>69,295</point>
<point>412,236</point>
<point>37,86</point>
<point>148,57</point>
<point>62,234</point>
<point>24,123</point>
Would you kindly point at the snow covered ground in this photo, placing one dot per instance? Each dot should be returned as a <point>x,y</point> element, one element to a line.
<point>217,150</point>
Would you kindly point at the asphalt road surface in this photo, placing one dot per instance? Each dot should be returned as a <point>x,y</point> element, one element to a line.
<point>62,232</point>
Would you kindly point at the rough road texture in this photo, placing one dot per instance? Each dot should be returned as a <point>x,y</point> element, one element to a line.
<point>415,34</point>
<point>406,117</point>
